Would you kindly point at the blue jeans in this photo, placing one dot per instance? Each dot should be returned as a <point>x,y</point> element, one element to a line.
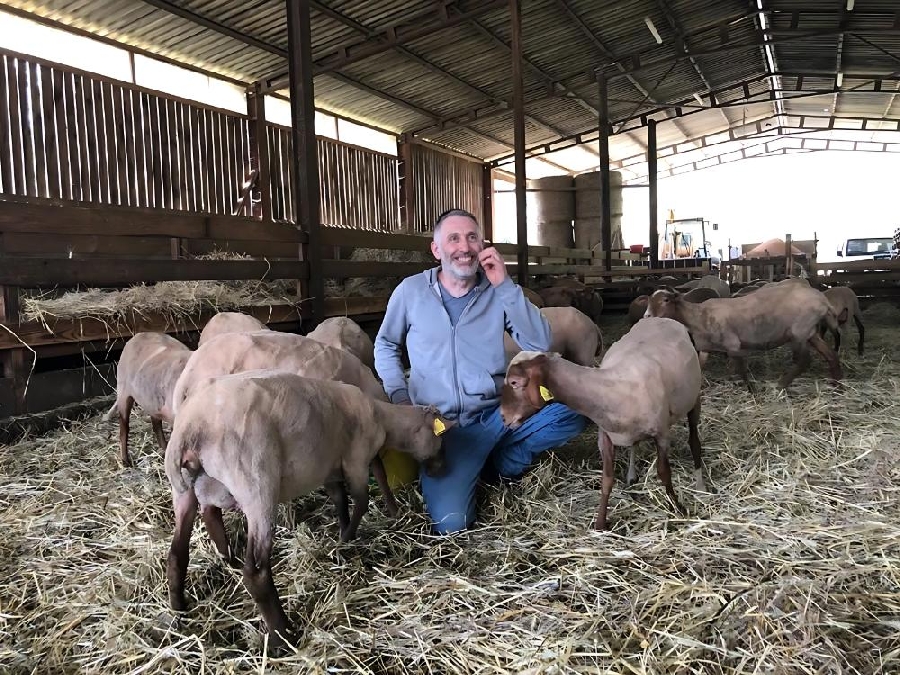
<point>450,499</point>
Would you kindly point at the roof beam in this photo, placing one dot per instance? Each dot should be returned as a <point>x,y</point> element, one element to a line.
<point>391,37</point>
<point>682,36</point>
<point>434,68</point>
<point>607,54</point>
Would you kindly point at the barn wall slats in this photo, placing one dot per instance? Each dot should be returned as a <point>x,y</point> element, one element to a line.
<point>69,135</point>
<point>358,187</point>
<point>443,181</point>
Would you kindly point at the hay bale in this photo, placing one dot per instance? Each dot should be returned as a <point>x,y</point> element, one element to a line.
<point>790,567</point>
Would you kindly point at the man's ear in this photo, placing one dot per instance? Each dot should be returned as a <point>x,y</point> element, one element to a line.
<point>435,251</point>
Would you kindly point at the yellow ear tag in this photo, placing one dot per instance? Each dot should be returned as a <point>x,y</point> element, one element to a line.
<point>545,393</point>
<point>439,427</point>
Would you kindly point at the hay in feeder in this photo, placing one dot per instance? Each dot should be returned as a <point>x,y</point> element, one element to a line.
<point>374,286</point>
<point>176,300</point>
<point>792,565</point>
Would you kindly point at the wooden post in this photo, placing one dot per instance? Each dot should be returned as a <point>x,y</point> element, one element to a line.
<point>305,157</point>
<point>654,202</point>
<point>515,18</point>
<point>14,363</point>
<point>487,201</point>
<point>407,187</point>
<point>788,257</point>
<point>605,211</point>
<point>261,192</point>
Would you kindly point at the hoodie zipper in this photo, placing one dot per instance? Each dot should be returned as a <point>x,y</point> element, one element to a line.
<point>453,341</point>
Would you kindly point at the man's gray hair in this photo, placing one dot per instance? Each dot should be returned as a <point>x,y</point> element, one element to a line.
<point>449,214</point>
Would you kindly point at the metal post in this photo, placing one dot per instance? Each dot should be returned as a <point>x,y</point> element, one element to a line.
<point>605,212</point>
<point>305,156</point>
<point>515,19</point>
<point>654,199</point>
<point>259,154</point>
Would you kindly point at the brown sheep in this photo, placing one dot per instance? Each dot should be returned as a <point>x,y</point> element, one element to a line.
<point>148,368</point>
<point>567,292</point>
<point>239,352</point>
<point>647,380</point>
<point>638,306</point>
<point>255,439</point>
<point>845,303</point>
<point>533,297</point>
<point>344,333</point>
<point>572,334</point>
<point>787,312</point>
<point>229,322</point>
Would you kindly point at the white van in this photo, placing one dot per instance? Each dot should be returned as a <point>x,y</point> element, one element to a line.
<point>867,248</point>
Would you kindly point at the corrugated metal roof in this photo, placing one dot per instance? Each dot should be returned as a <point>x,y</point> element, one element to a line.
<point>430,83</point>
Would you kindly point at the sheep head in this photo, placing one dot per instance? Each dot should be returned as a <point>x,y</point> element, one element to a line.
<point>664,303</point>
<point>427,442</point>
<point>524,391</point>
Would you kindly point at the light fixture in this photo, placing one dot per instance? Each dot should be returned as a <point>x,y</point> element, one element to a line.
<point>840,80</point>
<point>698,99</point>
<point>655,33</point>
<point>850,4</point>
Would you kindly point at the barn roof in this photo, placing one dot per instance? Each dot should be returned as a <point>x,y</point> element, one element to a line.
<point>725,79</point>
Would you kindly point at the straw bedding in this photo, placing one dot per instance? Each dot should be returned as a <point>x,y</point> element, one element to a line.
<point>791,565</point>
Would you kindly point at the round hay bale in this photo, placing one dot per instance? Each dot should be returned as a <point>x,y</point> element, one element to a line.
<point>554,210</point>
<point>587,209</point>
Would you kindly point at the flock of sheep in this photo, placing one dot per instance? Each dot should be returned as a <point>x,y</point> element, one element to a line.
<point>261,417</point>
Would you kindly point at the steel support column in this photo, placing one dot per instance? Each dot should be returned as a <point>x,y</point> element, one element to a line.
<point>515,19</point>
<point>305,160</point>
<point>605,211</point>
<point>654,204</point>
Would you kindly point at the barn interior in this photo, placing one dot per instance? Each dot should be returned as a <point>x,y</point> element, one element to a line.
<point>129,208</point>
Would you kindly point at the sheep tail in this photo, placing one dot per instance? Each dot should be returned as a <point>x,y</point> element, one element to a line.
<point>182,452</point>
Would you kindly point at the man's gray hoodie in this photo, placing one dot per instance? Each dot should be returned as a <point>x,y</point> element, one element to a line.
<point>459,369</point>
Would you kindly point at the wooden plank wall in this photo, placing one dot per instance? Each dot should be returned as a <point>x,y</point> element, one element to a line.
<point>357,187</point>
<point>70,136</point>
<point>442,181</point>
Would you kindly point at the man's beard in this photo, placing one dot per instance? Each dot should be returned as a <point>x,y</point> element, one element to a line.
<point>460,271</point>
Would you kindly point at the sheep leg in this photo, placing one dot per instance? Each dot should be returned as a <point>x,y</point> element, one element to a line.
<point>215,527</point>
<point>608,454</point>
<point>631,478</point>
<point>258,577</point>
<point>862,334</point>
<point>338,496</point>
<point>800,363</point>
<point>827,353</point>
<point>358,482</point>
<point>837,338</point>
<point>740,366</point>
<point>664,472</point>
<point>158,433</point>
<point>390,503</point>
<point>124,414</point>
<point>694,443</point>
<point>185,505</point>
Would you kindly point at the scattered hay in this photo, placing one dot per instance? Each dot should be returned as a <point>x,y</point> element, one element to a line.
<point>791,566</point>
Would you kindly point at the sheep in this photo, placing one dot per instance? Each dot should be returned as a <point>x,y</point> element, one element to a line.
<point>255,439</point>
<point>148,368</point>
<point>708,281</point>
<point>646,381</point>
<point>845,303</point>
<point>341,332</point>
<point>238,352</point>
<point>573,293</point>
<point>789,311</point>
<point>533,297</point>
<point>638,306</point>
<point>572,332</point>
<point>229,322</point>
